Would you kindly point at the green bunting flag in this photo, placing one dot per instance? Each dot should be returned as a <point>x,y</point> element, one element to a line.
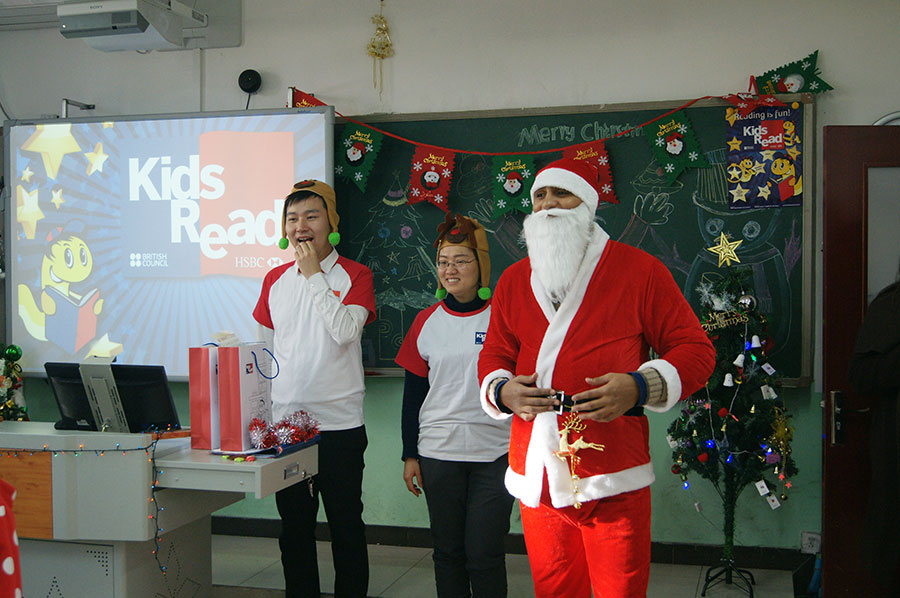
<point>801,76</point>
<point>675,146</point>
<point>356,154</point>
<point>513,176</point>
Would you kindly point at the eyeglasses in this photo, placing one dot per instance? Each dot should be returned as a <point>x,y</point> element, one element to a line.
<point>458,264</point>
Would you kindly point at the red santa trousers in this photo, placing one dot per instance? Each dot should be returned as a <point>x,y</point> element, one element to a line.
<point>604,545</point>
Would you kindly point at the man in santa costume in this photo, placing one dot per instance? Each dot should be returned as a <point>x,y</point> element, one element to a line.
<point>567,352</point>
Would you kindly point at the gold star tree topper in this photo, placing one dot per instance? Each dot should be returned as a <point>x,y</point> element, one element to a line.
<point>725,250</point>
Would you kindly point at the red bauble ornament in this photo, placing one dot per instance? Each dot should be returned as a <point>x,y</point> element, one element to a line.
<point>676,468</point>
<point>703,457</point>
<point>723,412</point>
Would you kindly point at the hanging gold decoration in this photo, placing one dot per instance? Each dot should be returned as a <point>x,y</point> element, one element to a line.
<point>379,48</point>
<point>568,449</point>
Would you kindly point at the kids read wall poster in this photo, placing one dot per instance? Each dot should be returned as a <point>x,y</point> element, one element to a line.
<point>764,157</point>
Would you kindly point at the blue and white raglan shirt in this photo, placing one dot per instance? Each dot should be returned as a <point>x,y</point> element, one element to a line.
<point>442,347</point>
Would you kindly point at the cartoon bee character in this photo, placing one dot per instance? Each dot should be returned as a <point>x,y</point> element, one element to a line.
<point>784,174</point>
<point>741,172</point>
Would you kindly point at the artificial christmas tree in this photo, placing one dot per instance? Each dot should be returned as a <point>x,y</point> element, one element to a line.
<point>735,432</point>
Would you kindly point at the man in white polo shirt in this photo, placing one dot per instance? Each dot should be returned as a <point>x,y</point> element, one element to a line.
<point>313,310</point>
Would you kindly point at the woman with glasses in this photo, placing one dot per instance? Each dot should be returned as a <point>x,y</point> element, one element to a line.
<point>452,450</point>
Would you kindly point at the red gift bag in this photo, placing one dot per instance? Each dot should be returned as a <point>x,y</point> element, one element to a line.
<point>203,388</point>
<point>245,392</point>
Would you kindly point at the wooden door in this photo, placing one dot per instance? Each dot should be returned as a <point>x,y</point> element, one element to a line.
<point>849,153</point>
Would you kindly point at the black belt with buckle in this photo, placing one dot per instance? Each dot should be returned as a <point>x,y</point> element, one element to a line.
<point>566,403</point>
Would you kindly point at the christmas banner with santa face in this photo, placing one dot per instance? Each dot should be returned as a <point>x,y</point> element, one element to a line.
<point>513,176</point>
<point>675,146</point>
<point>356,154</point>
<point>430,176</point>
<point>595,153</point>
<point>800,76</point>
<point>764,158</point>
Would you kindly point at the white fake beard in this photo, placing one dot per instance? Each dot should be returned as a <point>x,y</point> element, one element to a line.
<point>556,240</point>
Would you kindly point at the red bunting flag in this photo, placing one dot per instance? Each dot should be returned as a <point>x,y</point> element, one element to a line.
<point>746,103</point>
<point>595,153</point>
<point>430,176</point>
<point>300,99</point>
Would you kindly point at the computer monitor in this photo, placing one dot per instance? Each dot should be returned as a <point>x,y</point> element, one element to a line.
<point>143,389</point>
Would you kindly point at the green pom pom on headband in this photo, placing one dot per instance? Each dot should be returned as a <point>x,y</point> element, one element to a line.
<point>283,243</point>
<point>334,238</point>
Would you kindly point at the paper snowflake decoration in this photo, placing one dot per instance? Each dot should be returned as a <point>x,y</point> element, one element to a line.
<point>526,174</point>
<point>438,198</point>
<point>446,172</point>
<point>415,192</point>
<point>704,289</point>
<point>525,202</point>
<point>339,169</point>
<point>607,188</point>
<point>358,176</point>
<point>682,128</point>
<point>347,143</point>
<point>670,167</point>
<point>693,156</point>
<point>805,64</point>
<point>602,161</point>
<point>814,85</point>
<point>369,147</point>
<point>660,141</point>
<point>417,166</point>
<point>501,203</point>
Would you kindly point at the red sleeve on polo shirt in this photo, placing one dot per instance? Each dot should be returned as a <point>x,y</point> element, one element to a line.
<point>362,286</point>
<point>408,356</point>
<point>261,312</point>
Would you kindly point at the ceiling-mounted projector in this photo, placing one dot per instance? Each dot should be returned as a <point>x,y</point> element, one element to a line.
<point>112,25</point>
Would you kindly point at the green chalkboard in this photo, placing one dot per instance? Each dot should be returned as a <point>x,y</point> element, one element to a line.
<point>676,221</point>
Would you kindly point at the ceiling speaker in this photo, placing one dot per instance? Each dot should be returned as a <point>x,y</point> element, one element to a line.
<point>249,81</point>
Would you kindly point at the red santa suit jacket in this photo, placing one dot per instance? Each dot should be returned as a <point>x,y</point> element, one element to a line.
<point>623,302</point>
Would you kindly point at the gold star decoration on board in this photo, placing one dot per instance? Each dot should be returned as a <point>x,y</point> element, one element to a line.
<point>731,115</point>
<point>758,167</point>
<point>57,198</point>
<point>27,210</point>
<point>725,250</point>
<point>27,174</point>
<point>105,348</point>
<point>96,159</point>
<point>793,152</point>
<point>739,193</point>
<point>767,155</point>
<point>52,142</point>
<point>734,145</point>
<point>763,191</point>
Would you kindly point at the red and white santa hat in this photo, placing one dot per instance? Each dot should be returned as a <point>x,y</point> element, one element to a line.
<point>576,176</point>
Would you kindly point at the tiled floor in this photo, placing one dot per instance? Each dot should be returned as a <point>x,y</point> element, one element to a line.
<point>250,568</point>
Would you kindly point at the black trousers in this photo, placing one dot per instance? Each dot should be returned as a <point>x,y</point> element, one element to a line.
<point>469,509</point>
<point>339,481</point>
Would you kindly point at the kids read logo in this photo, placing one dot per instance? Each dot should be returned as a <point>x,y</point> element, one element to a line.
<point>221,198</point>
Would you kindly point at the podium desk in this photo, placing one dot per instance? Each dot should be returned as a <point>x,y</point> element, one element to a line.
<point>87,513</point>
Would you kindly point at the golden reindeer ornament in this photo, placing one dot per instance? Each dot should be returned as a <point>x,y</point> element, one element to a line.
<point>568,450</point>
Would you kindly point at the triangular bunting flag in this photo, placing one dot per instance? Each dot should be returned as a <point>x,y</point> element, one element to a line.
<point>430,176</point>
<point>797,77</point>
<point>746,103</point>
<point>356,154</point>
<point>513,176</point>
<point>675,146</point>
<point>300,99</point>
<point>595,153</point>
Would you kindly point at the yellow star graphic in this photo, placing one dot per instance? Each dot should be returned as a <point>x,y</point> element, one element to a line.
<point>734,145</point>
<point>27,210</point>
<point>57,197</point>
<point>27,174</point>
<point>731,115</point>
<point>96,159</point>
<point>758,167</point>
<point>739,193</point>
<point>793,152</point>
<point>767,155</point>
<point>108,124</point>
<point>105,348</point>
<point>725,250</point>
<point>764,191</point>
<point>52,142</point>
